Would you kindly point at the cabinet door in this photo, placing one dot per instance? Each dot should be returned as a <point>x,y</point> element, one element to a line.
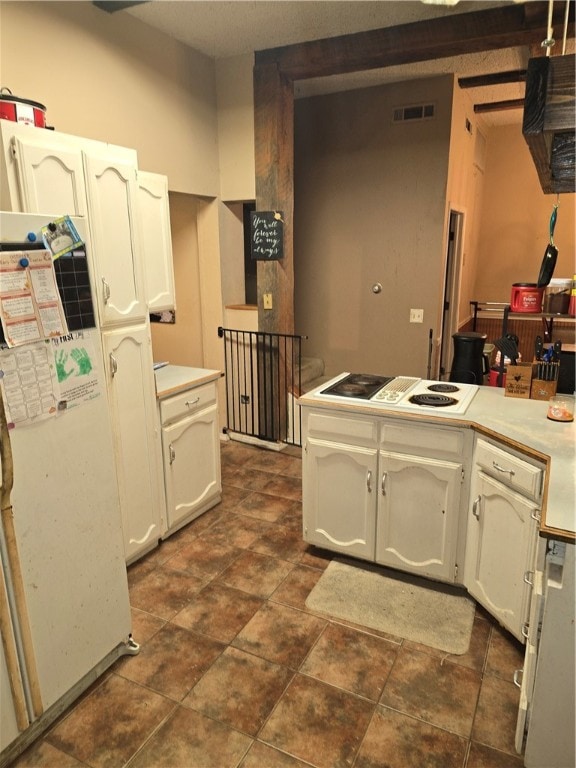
<point>112,202</point>
<point>418,512</point>
<point>50,177</point>
<point>502,530</point>
<point>133,405</point>
<point>156,240</point>
<point>339,497</point>
<point>191,452</point>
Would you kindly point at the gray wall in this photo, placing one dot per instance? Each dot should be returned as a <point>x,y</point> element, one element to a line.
<point>370,200</point>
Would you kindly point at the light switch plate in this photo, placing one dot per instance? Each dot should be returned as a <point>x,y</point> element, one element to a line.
<point>267,299</point>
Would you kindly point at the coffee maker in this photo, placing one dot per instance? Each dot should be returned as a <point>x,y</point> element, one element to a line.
<point>470,364</point>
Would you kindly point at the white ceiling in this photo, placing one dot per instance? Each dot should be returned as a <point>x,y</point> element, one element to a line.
<point>225,28</point>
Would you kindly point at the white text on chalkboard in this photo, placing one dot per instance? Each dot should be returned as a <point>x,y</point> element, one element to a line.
<point>267,235</point>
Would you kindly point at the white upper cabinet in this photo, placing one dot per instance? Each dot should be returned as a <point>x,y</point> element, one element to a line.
<point>50,175</point>
<point>156,241</point>
<point>112,204</point>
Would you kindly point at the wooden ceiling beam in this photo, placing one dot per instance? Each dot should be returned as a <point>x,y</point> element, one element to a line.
<point>465,33</point>
<point>499,106</point>
<point>494,78</point>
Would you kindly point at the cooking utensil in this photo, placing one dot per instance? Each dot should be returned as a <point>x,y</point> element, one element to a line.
<point>550,254</point>
<point>22,111</point>
<point>508,346</point>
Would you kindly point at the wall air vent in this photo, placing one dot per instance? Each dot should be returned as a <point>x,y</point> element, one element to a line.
<point>413,112</point>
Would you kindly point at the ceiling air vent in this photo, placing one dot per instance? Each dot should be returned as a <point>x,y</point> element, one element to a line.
<point>413,112</point>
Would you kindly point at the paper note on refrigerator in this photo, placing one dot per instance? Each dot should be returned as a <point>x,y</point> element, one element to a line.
<point>76,363</point>
<point>30,303</point>
<point>29,384</point>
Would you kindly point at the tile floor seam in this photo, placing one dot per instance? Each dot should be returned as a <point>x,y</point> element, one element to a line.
<point>150,736</point>
<point>423,720</point>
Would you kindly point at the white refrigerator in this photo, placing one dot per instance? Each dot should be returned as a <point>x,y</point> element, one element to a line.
<point>64,591</point>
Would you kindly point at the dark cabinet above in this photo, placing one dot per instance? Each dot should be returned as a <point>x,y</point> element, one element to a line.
<point>549,121</point>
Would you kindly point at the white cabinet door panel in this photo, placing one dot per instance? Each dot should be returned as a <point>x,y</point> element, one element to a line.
<point>51,177</point>
<point>112,201</point>
<point>417,526</point>
<point>191,450</point>
<point>133,406</point>
<point>499,551</point>
<point>156,241</point>
<point>339,498</point>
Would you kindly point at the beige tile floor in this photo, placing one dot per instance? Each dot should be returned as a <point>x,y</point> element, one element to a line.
<point>235,671</point>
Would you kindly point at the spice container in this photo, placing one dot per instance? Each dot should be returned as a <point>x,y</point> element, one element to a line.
<point>561,408</point>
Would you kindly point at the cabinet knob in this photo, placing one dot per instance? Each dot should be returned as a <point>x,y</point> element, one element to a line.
<point>171,453</point>
<point>383,483</point>
<point>190,403</point>
<point>369,481</point>
<point>518,677</point>
<point>113,365</point>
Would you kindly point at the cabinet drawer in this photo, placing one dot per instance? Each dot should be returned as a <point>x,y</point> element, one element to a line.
<point>187,402</point>
<point>354,430</point>
<point>509,469</point>
<point>423,440</point>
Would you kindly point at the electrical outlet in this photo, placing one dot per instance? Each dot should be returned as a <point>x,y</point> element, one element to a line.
<point>267,299</point>
<point>416,315</point>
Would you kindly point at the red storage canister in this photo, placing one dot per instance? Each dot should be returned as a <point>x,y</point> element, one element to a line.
<point>23,111</point>
<point>526,297</point>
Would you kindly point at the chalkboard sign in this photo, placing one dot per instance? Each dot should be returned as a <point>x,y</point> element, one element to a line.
<point>267,235</point>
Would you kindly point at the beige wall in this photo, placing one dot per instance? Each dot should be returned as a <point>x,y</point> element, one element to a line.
<point>181,343</point>
<point>235,89</point>
<point>370,207</point>
<point>515,218</point>
<point>232,253</point>
<point>112,78</point>
<point>464,194</point>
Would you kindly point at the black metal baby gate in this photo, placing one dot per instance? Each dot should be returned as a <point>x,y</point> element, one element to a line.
<point>263,383</point>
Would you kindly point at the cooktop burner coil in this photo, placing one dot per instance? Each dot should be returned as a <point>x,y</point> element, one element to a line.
<point>433,399</point>
<point>442,387</point>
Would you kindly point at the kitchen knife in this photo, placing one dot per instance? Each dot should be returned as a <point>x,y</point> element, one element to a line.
<point>557,350</point>
<point>538,347</point>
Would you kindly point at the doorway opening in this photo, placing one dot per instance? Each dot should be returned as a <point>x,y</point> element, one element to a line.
<point>451,289</point>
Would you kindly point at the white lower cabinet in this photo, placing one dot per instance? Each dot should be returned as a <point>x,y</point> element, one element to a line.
<point>339,499</point>
<point>191,454</point>
<point>397,509</point>
<point>418,513</point>
<point>502,534</point>
<point>128,358</point>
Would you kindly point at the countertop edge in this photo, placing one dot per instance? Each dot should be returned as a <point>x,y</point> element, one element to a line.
<point>171,379</point>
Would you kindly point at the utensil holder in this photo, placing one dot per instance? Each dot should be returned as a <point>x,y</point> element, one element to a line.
<point>518,380</point>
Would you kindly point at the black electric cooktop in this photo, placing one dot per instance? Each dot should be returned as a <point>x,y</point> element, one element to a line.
<point>358,385</point>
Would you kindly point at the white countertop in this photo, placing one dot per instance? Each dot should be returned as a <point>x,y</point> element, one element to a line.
<point>521,423</point>
<point>172,379</point>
